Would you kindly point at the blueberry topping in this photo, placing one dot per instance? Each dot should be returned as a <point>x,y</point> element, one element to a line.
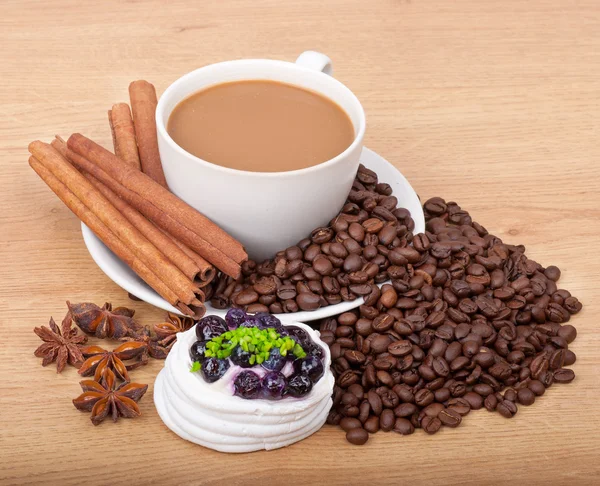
<point>273,385</point>
<point>235,317</point>
<point>214,368</point>
<point>251,321</point>
<point>275,362</point>
<point>316,350</point>
<point>298,385</point>
<point>311,366</point>
<point>268,320</point>
<point>247,384</point>
<point>197,350</point>
<point>300,334</point>
<point>210,327</point>
<point>241,357</point>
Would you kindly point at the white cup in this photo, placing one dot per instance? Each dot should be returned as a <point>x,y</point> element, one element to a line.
<point>265,211</point>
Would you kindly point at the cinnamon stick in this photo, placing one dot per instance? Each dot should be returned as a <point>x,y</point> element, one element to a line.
<point>159,205</point>
<point>192,265</point>
<point>207,271</point>
<point>121,126</point>
<point>110,239</point>
<point>185,290</point>
<point>142,96</point>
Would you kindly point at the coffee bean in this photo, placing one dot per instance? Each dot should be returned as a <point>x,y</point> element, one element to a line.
<point>431,424</point>
<point>372,424</point>
<point>349,399</point>
<point>564,375</point>
<point>380,344</point>
<point>483,389</point>
<point>424,397</point>
<point>349,423</point>
<point>552,272</point>
<point>375,402</point>
<point>354,357</point>
<point>490,403</point>
<point>403,426</point>
<point>537,387</point>
<point>525,396</point>
<point>459,405</point>
<point>433,409</point>
<point>507,408</point>
<point>570,358</point>
<point>474,399</point>
<point>449,417</point>
<point>387,420</point>
<point>568,333</point>
<point>357,436</point>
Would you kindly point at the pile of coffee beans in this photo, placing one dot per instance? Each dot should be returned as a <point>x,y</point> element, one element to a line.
<point>340,262</point>
<point>466,322</point>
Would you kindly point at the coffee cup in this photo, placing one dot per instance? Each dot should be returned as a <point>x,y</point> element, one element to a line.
<point>266,211</point>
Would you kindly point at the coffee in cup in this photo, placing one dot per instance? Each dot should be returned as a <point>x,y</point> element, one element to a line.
<point>261,126</point>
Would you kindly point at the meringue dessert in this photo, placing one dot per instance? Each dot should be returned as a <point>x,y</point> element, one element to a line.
<point>245,383</point>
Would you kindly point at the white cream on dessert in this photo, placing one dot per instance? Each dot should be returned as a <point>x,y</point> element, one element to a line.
<point>210,415</point>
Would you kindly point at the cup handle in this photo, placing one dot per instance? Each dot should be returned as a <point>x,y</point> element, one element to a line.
<point>315,60</point>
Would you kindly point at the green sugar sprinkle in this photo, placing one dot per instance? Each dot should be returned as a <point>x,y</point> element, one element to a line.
<point>195,366</point>
<point>258,342</point>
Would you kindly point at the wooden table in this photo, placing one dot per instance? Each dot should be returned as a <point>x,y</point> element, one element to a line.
<point>494,104</point>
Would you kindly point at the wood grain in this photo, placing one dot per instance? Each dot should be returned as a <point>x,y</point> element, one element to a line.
<point>493,104</point>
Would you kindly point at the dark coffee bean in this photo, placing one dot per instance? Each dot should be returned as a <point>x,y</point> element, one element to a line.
<point>490,403</point>
<point>357,436</point>
<point>352,263</point>
<point>483,389</point>
<point>380,343</point>
<point>459,405</point>
<point>564,375</point>
<point>525,396</point>
<point>453,351</point>
<point>450,417</point>
<point>404,392</point>
<point>347,378</point>
<point>307,301</point>
<point>424,397</point>
<point>431,424</point>
<point>400,348</point>
<point>246,297</point>
<point>507,408</point>
<point>475,400</point>
<point>375,402</point>
<point>441,395</point>
<point>349,399</point>
<point>537,387</point>
<point>387,420</point>
<point>349,423</point>
<point>572,305</point>
<point>405,410</point>
<point>552,272</point>
<point>364,411</point>
<point>403,426</point>
<point>539,365</point>
<point>570,358</point>
<point>440,366</point>
<point>357,390</point>
<point>354,357</point>
<point>371,425</point>
<point>568,333</point>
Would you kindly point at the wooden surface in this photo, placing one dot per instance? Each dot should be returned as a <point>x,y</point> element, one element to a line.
<point>494,104</point>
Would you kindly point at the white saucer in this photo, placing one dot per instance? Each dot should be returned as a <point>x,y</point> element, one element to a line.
<point>123,276</point>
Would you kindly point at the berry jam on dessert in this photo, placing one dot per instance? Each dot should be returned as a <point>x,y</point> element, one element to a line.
<point>270,361</point>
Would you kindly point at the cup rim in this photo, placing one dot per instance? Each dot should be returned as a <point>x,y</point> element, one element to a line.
<point>162,130</point>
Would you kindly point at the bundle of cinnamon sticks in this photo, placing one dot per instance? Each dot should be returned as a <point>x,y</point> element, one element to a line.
<point>124,199</point>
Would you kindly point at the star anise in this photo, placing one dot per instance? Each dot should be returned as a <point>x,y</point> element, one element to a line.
<point>98,359</point>
<point>60,345</point>
<point>166,333</point>
<point>104,398</point>
<point>104,322</point>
